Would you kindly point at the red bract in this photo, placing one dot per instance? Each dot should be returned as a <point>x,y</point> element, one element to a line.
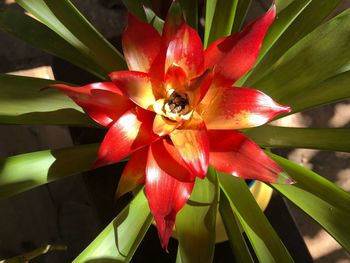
<point>174,112</point>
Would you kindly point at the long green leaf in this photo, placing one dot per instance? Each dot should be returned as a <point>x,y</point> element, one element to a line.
<point>330,90</point>
<point>238,245</point>
<point>282,4</point>
<point>326,203</point>
<point>266,244</point>
<point>312,16</point>
<point>280,25</point>
<point>315,58</point>
<point>63,18</point>
<point>120,239</point>
<point>195,223</point>
<point>219,17</point>
<point>241,12</point>
<point>22,101</point>
<point>25,171</point>
<point>40,36</point>
<point>285,137</point>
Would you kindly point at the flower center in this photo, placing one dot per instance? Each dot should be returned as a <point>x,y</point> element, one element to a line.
<point>177,103</point>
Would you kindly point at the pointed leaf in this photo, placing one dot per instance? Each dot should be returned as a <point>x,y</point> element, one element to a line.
<point>195,223</point>
<point>23,101</point>
<point>311,60</point>
<point>238,245</point>
<point>322,200</point>
<point>25,171</point>
<point>120,239</point>
<point>312,16</point>
<point>219,17</point>
<point>40,36</point>
<point>63,18</point>
<point>310,138</point>
<point>266,244</point>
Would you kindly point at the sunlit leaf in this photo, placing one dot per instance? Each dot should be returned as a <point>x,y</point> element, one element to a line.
<point>195,223</point>
<point>40,36</point>
<point>63,18</point>
<point>316,57</point>
<point>310,138</point>
<point>311,17</point>
<point>25,171</point>
<point>264,240</point>
<point>326,203</point>
<point>120,239</point>
<point>23,101</point>
<point>238,245</point>
<point>219,17</point>
<point>330,90</point>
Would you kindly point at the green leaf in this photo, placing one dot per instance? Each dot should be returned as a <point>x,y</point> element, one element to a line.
<point>322,200</point>
<point>315,58</point>
<point>195,223</point>
<point>238,245</point>
<point>310,138</point>
<point>25,171</point>
<point>153,19</point>
<point>27,257</point>
<point>311,17</point>
<point>282,4</point>
<point>330,90</point>
<point>120,239</point>
<point>241,12</point>
<point>23,101</point>
<point>40,36</point>
<point>63,18</point>
<point>137,7</point>
<point>219,17</point>
<point>266,244</point>
<point>190,9</point>
<point>281,24</point>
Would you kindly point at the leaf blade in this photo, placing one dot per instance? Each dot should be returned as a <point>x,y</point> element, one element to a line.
<point>326,203</point>
<point>118,241</point>
<point>23,101</point>
<point>266,244</point>
<point>310,138</point>
<point>25,171</point>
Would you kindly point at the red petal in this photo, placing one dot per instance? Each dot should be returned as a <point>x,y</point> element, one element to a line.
<point>175,78</point>
<point>192,143</point>
<point>134,173</point>
<point>236,54</point>
<point>232,152</point>
<point>173,22</point>
<point>170,161</point>
<point>166,196</point>
<point>103,101</point>
<point>129,133</point>
<point>238,108</point>
<point>186,51</point>
<point>141,44</point>
<point>138,86</point>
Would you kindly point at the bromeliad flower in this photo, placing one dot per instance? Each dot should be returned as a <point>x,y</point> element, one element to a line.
<point>176,111</point>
